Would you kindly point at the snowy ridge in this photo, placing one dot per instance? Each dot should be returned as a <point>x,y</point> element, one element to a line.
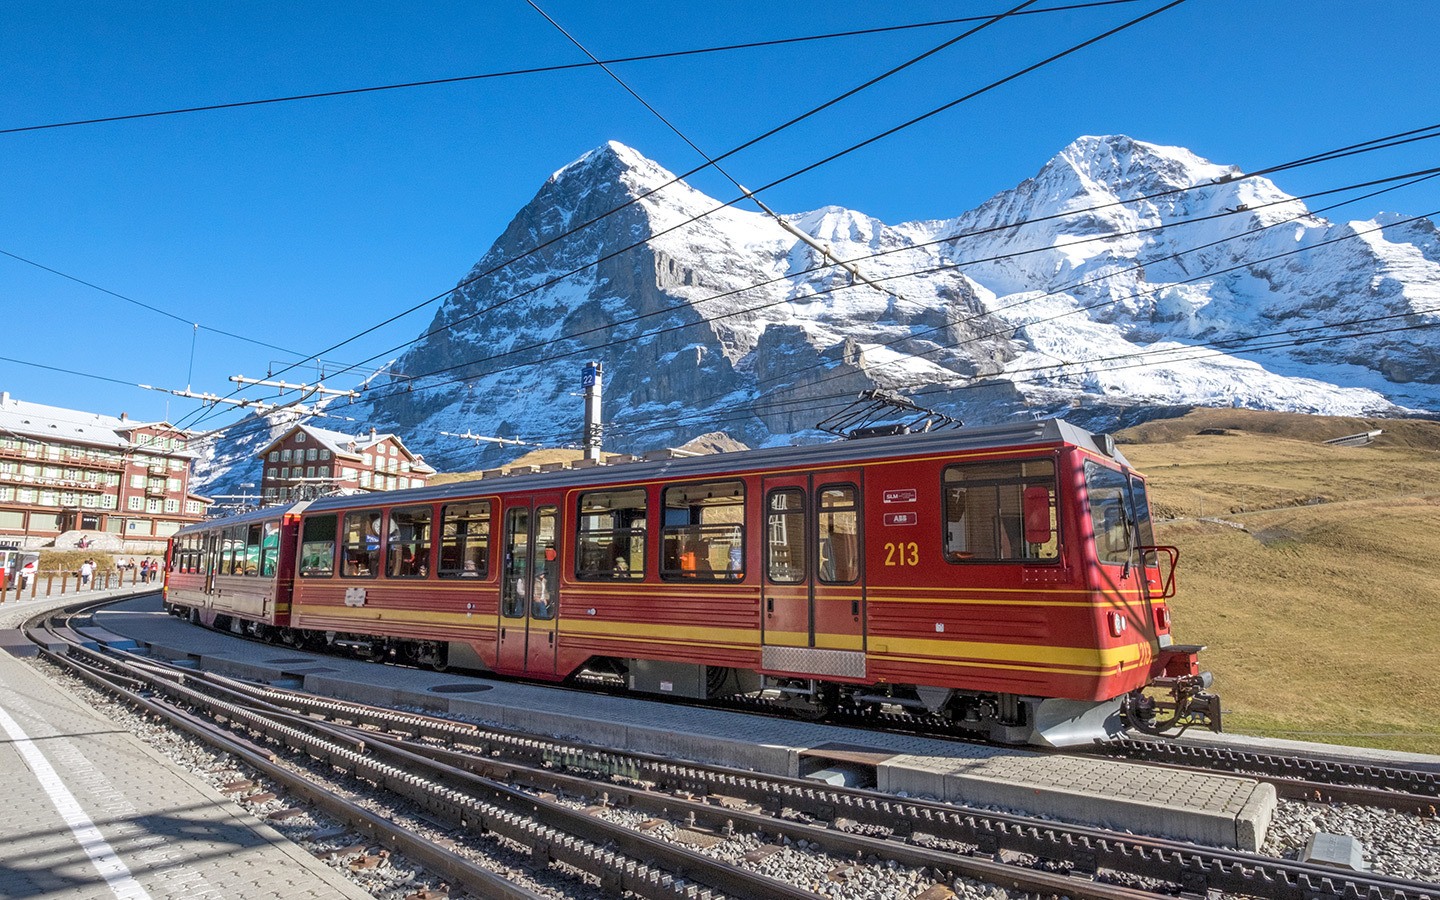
<point>1142,275</point>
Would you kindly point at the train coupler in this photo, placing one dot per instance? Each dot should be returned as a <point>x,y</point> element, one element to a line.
<point>1189,704</point>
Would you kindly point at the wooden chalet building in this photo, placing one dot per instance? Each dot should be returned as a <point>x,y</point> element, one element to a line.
<point>83,475</point>
<point>307,462</point>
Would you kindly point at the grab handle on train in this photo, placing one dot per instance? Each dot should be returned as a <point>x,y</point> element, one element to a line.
<point>769,604</point>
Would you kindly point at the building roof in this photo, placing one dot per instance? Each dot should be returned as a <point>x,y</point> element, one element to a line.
<point>36,421</point>
<point>349,446</point>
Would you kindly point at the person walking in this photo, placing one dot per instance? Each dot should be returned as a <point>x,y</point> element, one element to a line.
<point>87,568</point>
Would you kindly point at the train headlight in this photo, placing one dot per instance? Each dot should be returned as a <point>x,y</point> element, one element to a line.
<point>1118,623</point>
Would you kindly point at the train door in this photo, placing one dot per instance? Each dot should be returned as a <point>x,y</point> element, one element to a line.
<point>210,552</point>
<point>814,592</point>
<point>530,586</point>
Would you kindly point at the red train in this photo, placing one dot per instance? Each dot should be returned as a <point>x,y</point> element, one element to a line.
<point>1003,577</point>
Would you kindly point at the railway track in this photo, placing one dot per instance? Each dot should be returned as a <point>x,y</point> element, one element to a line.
<point>558,800</point>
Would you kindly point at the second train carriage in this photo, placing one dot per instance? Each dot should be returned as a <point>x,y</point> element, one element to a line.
<point>1005,577</point>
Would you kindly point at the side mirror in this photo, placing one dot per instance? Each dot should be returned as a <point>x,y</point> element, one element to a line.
<point>1036,506</point>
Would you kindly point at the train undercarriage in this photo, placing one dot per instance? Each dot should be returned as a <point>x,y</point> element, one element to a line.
<point>1169,706</point>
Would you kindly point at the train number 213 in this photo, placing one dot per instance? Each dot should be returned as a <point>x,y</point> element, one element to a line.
<point>902,554</point>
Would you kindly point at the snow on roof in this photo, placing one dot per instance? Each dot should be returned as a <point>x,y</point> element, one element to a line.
<point>19,418</point>
<point>348,445</point>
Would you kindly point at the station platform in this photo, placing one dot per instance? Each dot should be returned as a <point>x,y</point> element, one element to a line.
<point>1212,809</point>
<point>91,811</point>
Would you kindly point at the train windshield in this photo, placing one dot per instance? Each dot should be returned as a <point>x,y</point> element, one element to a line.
<point>1120,514</point>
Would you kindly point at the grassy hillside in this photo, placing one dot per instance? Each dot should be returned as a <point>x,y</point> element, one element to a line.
<point>1311,572</point>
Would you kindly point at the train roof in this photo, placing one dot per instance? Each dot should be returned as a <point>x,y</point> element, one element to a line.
<point>250,517</point>
<point>1041,433</point>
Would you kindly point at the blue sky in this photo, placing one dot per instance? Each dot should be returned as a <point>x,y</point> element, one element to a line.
<point>299,224</point>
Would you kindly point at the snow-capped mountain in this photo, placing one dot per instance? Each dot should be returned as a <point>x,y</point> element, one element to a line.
<point>1123,276</point>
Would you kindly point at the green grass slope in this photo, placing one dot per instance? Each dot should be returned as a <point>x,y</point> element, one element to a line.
<point>1312,572</point>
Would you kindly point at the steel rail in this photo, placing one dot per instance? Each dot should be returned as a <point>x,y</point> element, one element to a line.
<point>439,860</point>
<point>551,831</point>
<point>1195,869</point>
<point>1087,850</point>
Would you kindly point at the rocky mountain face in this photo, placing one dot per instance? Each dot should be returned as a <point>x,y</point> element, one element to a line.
<point>1142,277</point>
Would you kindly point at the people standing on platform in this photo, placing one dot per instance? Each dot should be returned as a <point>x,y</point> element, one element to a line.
<point>87,568</point>
<point>144,571</point>
<point>152,569</point>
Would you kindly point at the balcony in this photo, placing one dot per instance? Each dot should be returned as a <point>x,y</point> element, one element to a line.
<point>62,484</point>
<point>79,460</point>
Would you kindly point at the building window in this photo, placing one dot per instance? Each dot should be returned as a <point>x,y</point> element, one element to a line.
<point>172,484</point>
<point>349,474</point>
<point>285,455</point>
<point>274,455</point>
<point>192,507</point>
<point>152,505</point>
<point>324,454</point>
<point>284,471</point>
<point>137,481</point>
<point>300,438</point>
<point>310,454</point>
<point>172,506</point>
<point>309,471</point>
<point>324,471</point>
<point>135,504</point>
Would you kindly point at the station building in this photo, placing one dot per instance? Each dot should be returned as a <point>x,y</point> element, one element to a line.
<point>307,462</point>
<point>68,475</point>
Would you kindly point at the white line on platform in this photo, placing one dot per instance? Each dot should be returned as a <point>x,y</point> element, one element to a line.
<point>107,863</point>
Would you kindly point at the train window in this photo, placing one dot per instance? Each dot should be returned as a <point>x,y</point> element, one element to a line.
<point>250,565</point>
<point>785,526</point>
<point>1144,527</point>
<point>985,511</point>
<point>544,588</point>
<point>408,554</point>
<point>360,544</point>
<point>465,540</point>
<point>233,552</point>
<point>517,563</point>
<point>838,534</point>
<point>317,547</point>
<point>703,535</point>
<point>269,548</point>
<point>611,539</point>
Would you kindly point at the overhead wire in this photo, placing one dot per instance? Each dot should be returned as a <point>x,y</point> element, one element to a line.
<point>553,357</point>
<point>538,70</point>
<point>1010,328</point>
<point>691,220</point>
